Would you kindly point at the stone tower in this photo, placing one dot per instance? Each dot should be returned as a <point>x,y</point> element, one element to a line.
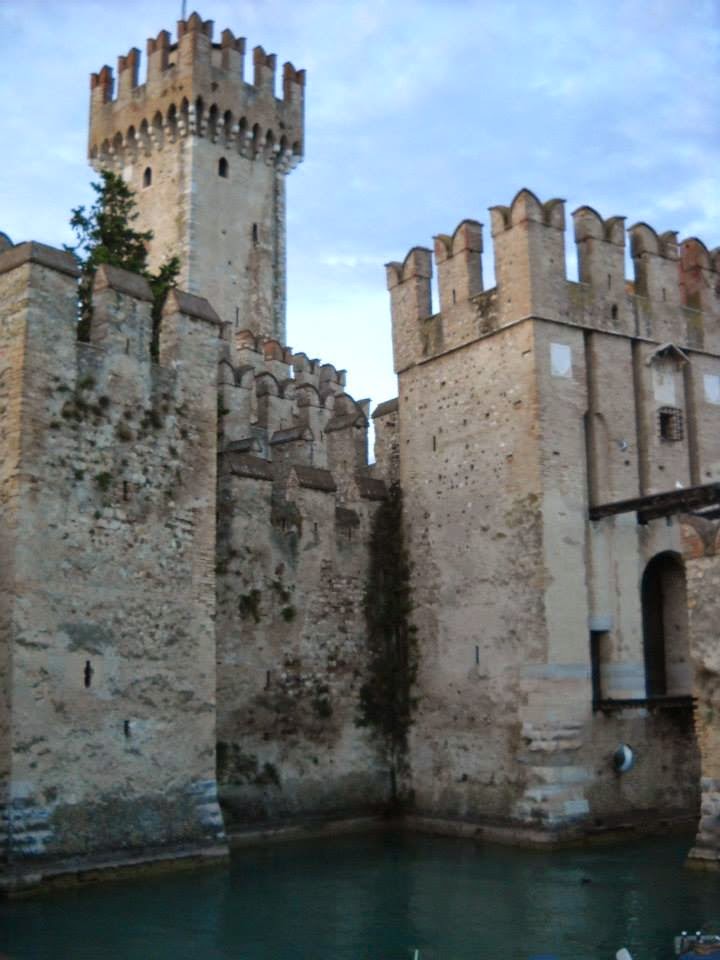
<point>206,154</point>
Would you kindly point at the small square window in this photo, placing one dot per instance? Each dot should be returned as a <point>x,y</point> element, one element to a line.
<point>670,424</point>
<point>711,382</point>
<point>560,360</point>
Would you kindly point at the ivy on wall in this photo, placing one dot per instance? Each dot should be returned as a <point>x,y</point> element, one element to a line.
<point>386,698</point>
<point>105,234</point>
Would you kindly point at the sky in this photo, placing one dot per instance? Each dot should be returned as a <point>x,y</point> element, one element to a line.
<point>419,113</point>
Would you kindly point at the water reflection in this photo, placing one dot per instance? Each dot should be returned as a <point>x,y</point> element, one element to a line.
<point>379,898</point>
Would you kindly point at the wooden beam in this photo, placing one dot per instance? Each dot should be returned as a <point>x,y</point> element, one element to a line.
<point>665,504</point>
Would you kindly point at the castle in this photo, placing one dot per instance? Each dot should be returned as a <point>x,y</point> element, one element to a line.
<point>187,546</point>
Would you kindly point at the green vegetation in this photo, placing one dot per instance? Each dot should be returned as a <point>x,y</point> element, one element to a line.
<point>249,605</point>
<point>103,480</point>
<point>105,234</point>
<point>386,698</point>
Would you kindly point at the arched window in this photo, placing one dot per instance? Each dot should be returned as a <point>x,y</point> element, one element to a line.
<point>668,669</point>
<point>222,167</point>
<point>147,177</point>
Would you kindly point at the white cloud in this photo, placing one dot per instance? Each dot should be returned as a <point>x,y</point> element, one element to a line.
<point>419,113</point>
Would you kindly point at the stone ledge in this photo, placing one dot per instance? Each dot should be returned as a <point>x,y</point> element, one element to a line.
<point>40,253</point>
<point>198,307</point>
<point>21,879</point>
<point>387,406</point>
<point>122,281</point>
<point>573,833</point>
<point>284,830</point>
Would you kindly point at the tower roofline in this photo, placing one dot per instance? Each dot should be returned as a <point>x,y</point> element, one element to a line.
<point>197,87</point>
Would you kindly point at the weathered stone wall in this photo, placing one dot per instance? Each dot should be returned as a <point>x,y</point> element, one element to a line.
<point>387,440</point>
<point>111,551</point>
<point>474,551</point>
<point>519,408</point>
<point>701,542</point>
<point>295,502</point>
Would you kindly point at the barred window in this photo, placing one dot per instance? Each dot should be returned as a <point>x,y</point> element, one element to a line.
<point>670,423</point>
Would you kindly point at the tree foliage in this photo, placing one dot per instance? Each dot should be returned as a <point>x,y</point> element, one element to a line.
<point>105,234</point>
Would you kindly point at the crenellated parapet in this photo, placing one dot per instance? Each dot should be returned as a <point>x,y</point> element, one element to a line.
<point>675,294</point>
<point>655,259</point>
<point>410,289</point>
<point>529,243</point>
<point>600,248</point>
<point>107,452</point>
<point>290,409</point>
<point>196,87</point>
<point>458,259</point>
<point>700,277</point>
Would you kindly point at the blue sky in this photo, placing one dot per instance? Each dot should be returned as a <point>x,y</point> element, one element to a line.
<point>418,114</point>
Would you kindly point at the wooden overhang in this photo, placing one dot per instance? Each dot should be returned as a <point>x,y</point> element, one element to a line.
<point>701,501</point>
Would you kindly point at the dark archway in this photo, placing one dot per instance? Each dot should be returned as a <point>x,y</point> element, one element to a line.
<point>665,627</point>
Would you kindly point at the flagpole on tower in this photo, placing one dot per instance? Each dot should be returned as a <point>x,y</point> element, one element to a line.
<point>183,11</point>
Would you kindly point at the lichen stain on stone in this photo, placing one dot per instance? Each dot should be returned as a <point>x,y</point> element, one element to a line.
<point>87,637</point>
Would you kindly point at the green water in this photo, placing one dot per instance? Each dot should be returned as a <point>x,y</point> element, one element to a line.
<point>379,898</point>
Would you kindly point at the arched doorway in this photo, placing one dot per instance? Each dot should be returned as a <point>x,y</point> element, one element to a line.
<point>668,670</point>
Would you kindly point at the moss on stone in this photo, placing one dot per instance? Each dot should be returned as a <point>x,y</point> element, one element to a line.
<point>249,605</point>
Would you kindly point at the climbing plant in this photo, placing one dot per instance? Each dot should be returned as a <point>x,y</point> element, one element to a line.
<point>106,234</point>
<point>386,698</point>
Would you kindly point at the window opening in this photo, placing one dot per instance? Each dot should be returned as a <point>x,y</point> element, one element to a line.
<point>255,237</point>
<point>670,424</point>
<point>147,177</point>
<point>222,167</point>
<point>88,674</point>
<point>126,727</point>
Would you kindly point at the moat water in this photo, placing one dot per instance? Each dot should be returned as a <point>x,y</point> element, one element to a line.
<point>380,898</point>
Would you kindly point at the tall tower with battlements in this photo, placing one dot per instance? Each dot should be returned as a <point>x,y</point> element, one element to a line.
<point>206,154</point>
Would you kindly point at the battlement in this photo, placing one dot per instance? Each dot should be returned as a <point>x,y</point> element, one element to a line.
<point>288,408</point>
<point>196,87</point>
<point>529,253</point>
<point>43,281</point>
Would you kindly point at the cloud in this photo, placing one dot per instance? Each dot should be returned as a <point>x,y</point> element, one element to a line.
<point>419,113</point>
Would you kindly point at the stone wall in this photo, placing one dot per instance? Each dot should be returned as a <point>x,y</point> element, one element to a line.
<point>519,408</point>
<point>701,541</point>
<point>108,563</point>
<point>296,500</point>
